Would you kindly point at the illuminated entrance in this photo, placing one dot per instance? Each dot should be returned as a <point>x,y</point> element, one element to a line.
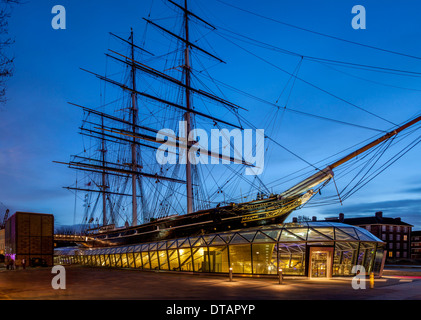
<point>320,262</point>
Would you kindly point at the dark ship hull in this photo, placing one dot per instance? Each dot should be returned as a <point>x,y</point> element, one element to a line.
<point>272,210</point>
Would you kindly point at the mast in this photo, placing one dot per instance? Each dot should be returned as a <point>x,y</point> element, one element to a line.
<point>187,115</point>
<point>103,186</point>
<point>134,146</point>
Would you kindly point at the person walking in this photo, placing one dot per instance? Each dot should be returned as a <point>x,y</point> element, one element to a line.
<point>23,263</point>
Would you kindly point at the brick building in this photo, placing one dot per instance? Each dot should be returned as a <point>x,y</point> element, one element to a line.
<point>416,245</point>
<point>393,231</point>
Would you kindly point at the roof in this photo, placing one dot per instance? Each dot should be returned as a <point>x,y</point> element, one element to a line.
<point>372,220</point>
<point>416,233</point>
<point>312,231</point>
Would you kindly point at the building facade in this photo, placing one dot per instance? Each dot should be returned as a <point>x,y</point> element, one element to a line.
<point>416,245</point>
<point>29,236</point>
<point>311,249</point>
<point>393,231</point>
<point>2,241</point>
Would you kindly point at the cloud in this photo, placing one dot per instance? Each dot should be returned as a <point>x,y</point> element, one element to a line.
<point>407,209</point>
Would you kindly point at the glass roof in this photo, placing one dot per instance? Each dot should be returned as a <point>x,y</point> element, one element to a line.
<point>319,231</point>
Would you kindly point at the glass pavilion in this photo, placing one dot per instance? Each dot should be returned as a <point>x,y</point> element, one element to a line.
<point>313,249</point>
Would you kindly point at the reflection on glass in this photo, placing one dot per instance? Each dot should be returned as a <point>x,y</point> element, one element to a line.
<point>264,258</point>
<point>240,258</point>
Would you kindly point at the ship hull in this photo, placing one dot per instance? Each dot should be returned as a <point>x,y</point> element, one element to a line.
<point>257,213</point>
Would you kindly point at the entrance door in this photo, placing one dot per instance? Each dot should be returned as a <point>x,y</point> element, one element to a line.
<point>320,265</point>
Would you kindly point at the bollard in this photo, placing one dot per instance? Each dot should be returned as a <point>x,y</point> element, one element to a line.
<point>230,274</point>
<point>280,276</point>
<point>371,280</point>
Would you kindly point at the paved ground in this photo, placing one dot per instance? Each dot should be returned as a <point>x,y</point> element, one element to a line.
<point>84,283</point>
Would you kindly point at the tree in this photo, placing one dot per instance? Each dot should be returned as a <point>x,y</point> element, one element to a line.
<point>6,61</point>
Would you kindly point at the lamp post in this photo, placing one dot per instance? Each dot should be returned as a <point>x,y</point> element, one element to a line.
<point>280,276</point>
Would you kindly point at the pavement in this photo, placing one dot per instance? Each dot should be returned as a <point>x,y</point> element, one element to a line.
<point>86,283</point>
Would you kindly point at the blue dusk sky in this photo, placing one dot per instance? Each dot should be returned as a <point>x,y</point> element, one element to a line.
<point>38,126</point>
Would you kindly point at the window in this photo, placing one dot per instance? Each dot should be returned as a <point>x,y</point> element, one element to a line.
<point>383,228</point>
<point>405,237</point>
<point>398,245</point>
<point>390,254</point>
<point>405,254</point>
<point>384,236</point>
<point>390,236</point>
<point>398,229</point>
<point>390,245</point>
<point>398,254</point>
<point>391,228</point>
<point>398,237</point>
<point>368,228</point>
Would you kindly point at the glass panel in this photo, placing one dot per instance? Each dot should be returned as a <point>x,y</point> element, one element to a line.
<point>292,258</point>
<point>218,259</point>
<point>112,260</point>
<point>145,260</point>
<point>107,260</point>
<point>299,232</point>
<point>173,244</point>
<point>363,236</point>
<point>138,260</point>
<point>124,260</point>
<point>344,258</point>
<point>274,234</point>
<point>341,235</point>
<point>249,236</point>
<point>185,259</point>
<point>173,260</point>
<point>208,239</point>
<point>217,241</point>
<point>130,260</point>
<point>240,258</point>
<point>264,258</point>
<point>320,234</point>
<point>350,232</point>
<point>154,260</point>
<point>378,260</point>
<point>117,260</point>
<point>145,247</point>
<point>193,240</point>
<point>199,242</point>
<point>370,253</point>
<point>180,242</point>
<point>226,237</point>
<point>152,246</point>
<point>161,245</point>
<point>163,261</point>
<point>238,239</point>
<point>287,236</point>
<point>261,237</point>
<point>184,244</point>
<point>201,264</point>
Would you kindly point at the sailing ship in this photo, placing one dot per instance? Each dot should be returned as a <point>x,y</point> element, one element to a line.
<point>124,181</point>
